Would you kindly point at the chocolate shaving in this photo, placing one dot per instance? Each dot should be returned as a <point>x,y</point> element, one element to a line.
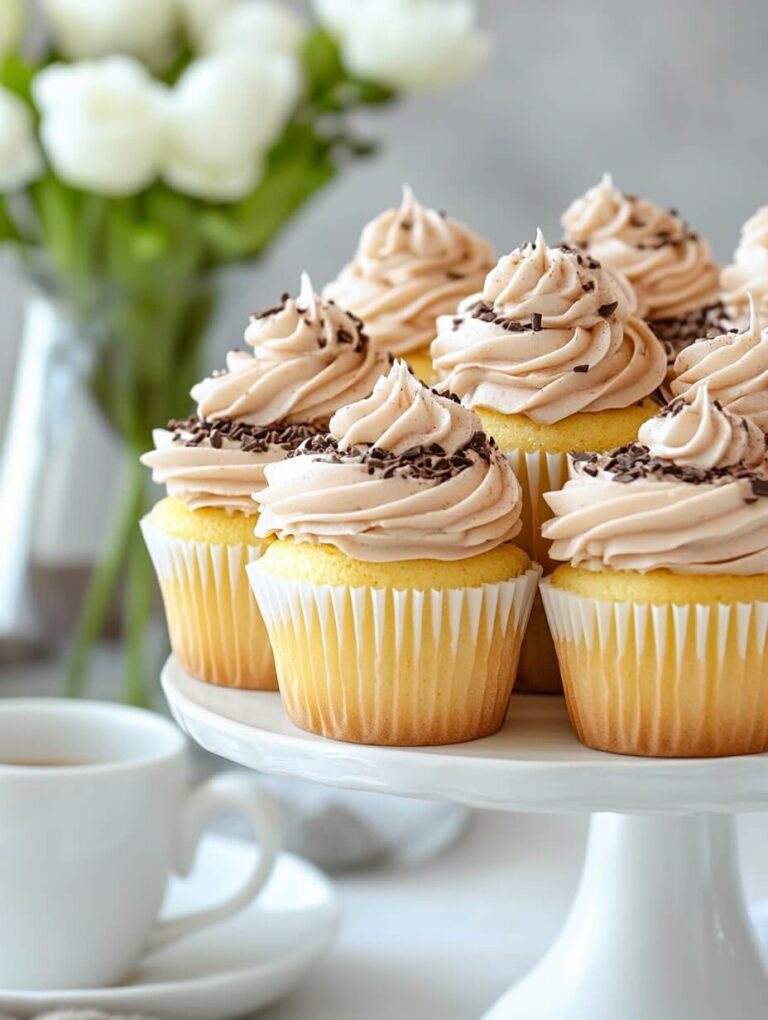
<point>430,463</point>
<point>605,310</point>
<point>194,431</point>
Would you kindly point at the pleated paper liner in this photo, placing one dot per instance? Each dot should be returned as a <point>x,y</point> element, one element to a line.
<point>663,680</point>
<point>538,472</point>
<point>391,667</point>
<point>214,624</point>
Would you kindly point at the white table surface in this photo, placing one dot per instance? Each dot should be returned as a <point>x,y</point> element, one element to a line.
<point>443,941</point>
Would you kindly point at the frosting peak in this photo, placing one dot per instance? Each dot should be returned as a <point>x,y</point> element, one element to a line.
<point>412,264</point>
<point>733,366</point>
<point>748,273</point>
<point>690,497</point>
<point>669,266</point>
<point>309,357</point>
<point>402,414</point>
<point>701,433</point>
<point>552,336</point>
<point>405,474</point>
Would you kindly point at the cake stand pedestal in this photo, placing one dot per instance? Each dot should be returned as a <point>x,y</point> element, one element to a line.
<point>658,929</point>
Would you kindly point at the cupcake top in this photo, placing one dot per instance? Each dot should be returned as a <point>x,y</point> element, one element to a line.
<point>309,357</point>
<point>678,332</point>
<point>748,273</point>
<point>669,266</point>
<point>733,366</point>
<point>551,336</point>
<point>404,474</point>
<point>411,265</point>
<point>690,496</point>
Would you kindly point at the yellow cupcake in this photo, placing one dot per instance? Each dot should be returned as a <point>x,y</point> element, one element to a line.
<point>215,628</point>
<point>248,416</point>
<point>549,373</point>
<point>391,626</point>
<point>416,652</point>
<point>420,363</point>
<point>663,665</point>
<point>661,653</point>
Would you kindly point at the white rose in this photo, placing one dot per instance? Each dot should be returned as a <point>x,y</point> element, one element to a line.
<point>200,15</point>
<point>84,29</point>
<point>11,25</point>
<point>101,124</point>
<point>221,117</point>
<point>410,45</point>
<point>258,25</point>
<point>20,158</point>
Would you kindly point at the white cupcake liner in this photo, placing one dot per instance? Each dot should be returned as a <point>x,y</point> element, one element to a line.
<point>215,627</point>
<point>538,472</point>
<point>663,680</point>
<point>398,667</point>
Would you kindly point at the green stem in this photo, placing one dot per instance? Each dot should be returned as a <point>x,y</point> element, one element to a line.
<point>137,613</point>
<point>101,587</point>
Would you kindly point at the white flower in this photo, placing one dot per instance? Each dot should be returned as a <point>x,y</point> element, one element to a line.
<point>11,25</point>
<point>101,124</point>
<point>222,116</point>
<point>200,15</point>
<point>411,45</point>
<point>258,25</point>
<point>20,158</point>
<point>85,29</point>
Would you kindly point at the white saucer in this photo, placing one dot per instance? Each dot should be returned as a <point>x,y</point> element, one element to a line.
<point>231,969</point>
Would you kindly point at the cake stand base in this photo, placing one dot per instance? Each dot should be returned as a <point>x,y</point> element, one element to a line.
<point>658,930</point>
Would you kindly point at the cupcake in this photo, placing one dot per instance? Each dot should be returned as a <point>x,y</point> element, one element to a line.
<point>307,359</point>
<point>748,273</point>
<point>671,269</point>
<point>660,609</point>
<point>552,361</point>
<point>394,597</point>
<point>412,264</point>
<point>732,366</point>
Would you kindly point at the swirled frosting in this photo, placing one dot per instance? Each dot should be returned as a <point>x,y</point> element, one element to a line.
<point>412,264</point>
<point>691,497</point>
<point>309,358</point>
<point>748,273</point>
<point>218,465</point>
<point>552,336</point>
<point>734,368</point>
<point>669,266</point>
<point>404,474</point>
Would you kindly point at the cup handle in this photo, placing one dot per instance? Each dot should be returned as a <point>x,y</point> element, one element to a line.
<point>227,790</point>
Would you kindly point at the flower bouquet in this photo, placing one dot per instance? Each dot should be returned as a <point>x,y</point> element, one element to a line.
<point>146,144</point>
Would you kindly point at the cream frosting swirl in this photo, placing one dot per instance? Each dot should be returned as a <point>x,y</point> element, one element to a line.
<point>309,358</point>
<point>412,264</point>
<point>669,266</point>
<point>748,273</point>
<point>218,466</point>
<point>552,336</point>
<point>691,497</point>
<point>734,368</point>
<point>405,474</point>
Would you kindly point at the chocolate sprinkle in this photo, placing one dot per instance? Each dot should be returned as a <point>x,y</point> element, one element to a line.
<point>605,310</point>
<point>634,461</point>
<point>536,321</point>
<point>194,431</point>
<point>581,368</point>
<point>430,463</point>
<point>678,332</point>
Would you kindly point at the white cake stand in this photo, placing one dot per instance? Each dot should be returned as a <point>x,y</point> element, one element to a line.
<point>658,929</point>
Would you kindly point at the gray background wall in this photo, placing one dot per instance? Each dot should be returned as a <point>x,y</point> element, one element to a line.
<point>667,94</point>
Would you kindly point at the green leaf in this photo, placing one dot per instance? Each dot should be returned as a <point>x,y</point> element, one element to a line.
<point>16,74</point>
<point>321,60</point>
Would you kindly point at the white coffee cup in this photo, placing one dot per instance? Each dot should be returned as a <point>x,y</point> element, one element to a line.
<point>95,815</point>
